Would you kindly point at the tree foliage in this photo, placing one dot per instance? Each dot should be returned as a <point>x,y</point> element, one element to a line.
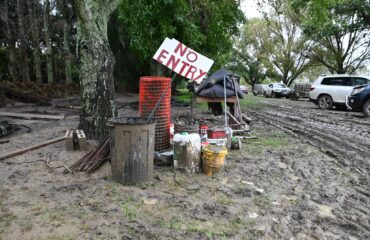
<point>206,26</point>
<point>248,58</point>
<point>341,31</point>
<point>281,42</point>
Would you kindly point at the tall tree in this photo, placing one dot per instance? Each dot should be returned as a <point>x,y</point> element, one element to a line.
<point>66,22</point>
<point>284,44</point>
<point>49,48</point>
<point>23,59</point>
<point>341,30</point>
<point>9,27</point>
<point>35,37</point>
<point>249,60</point>
<point>96,65</point>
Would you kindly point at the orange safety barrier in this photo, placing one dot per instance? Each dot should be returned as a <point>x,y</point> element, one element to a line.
<point>150,90</point>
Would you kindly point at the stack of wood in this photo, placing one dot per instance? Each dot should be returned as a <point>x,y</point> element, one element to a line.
<point>92,160</point>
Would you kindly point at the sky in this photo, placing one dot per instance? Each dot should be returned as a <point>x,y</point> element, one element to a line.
<point>249,7</point>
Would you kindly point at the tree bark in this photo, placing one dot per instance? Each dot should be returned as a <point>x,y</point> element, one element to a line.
<point>96,66</point>
<point>49,50</point>
<point>35,40</point>
<point>23,60</point>
<point>12,63</point>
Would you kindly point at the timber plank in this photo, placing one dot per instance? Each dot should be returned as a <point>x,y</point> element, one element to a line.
<point>33,147</point>
<point>32,116</point>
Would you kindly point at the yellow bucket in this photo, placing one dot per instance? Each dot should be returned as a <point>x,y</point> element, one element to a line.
<point>213,158</point>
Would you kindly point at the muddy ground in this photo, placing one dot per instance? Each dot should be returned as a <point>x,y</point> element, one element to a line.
<point>306,176</point>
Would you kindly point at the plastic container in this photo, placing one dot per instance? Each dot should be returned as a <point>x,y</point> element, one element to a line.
<point>217,141</point>
<point>203,132</point>
<point>215,133</point>
<point>213,159</point>
<point>229,135</point>
<point>186,151</point>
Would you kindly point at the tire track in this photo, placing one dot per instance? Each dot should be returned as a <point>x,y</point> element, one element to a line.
<point>348,142</point>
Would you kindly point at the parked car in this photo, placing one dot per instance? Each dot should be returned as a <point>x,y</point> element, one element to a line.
<point>300,90</point>
<point>331,90</point>
<point>259,89</point>
<point>359,100</point>
<point>244,89</point>
<point>276,90</point>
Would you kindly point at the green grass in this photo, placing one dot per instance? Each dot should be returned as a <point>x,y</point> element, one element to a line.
<point>265,141</point>
<point>263,202</point>
<point>129,209</point>
<point>225,201</point>
<point>6,219</point>
<point>183,95</point>
<point>251,101</point>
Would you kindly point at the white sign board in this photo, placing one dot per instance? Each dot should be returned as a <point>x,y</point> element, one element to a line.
<point>183,60</point>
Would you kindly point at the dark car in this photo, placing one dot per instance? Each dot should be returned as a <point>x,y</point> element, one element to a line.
<point>359,100</point>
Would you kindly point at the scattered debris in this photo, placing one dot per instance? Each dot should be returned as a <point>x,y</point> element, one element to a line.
<point>75,139</point>
<point>253,215</point>
<point>92,160</point>
<point>185,123</point>
<point>150,201</point>
<point>163,158</point>
<point>69,140</point>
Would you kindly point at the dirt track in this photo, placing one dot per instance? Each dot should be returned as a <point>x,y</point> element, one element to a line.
<point>306,176</point>
<point>341,134</point>
<point>344,137</point>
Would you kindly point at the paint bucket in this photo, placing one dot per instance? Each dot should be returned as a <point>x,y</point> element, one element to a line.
<point>186,151</point>
<point>213,159</point>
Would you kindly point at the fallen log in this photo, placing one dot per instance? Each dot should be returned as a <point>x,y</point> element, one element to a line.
<point>32,116</point>
<point>23,150</point>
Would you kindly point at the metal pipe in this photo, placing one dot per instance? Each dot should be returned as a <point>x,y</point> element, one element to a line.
<point>160,99</point>
<point>225,107</point>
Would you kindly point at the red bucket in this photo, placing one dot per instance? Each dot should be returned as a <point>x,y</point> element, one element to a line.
<point>216,133</point>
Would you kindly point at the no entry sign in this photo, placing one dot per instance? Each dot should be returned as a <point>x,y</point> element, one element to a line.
<point>183,60</point>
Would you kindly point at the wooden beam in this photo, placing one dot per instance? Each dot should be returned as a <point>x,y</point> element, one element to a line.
<point>204,99</point>
<point>32,116</point>
<point>230,115</point>
<point>23,150</point>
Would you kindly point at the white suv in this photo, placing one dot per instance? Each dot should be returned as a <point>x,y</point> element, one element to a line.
<point>331,90</point>
<point>276,90</point>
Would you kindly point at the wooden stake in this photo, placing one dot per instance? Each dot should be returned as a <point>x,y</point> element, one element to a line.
<point>20,151</point>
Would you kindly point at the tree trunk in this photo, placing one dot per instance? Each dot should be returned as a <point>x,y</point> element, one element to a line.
<point>35,40</point>
<point>23,60</point>
<point>96,66</point>
<point>12,62</point>
<point>49,50</point>
<point>67,50</point>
